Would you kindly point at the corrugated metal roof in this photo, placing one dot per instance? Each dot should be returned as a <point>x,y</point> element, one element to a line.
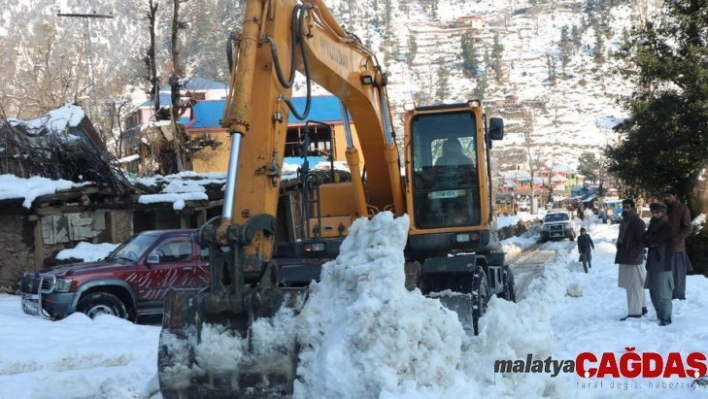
<point>207,114</point>
<point>165,99</point>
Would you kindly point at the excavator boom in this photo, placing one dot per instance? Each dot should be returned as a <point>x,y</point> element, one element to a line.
<point>209,345</point>
<point>277,39</point>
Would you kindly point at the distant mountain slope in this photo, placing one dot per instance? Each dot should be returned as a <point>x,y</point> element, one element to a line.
<point>561,119</point>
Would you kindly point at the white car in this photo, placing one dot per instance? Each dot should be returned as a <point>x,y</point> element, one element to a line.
<point>557,225</point>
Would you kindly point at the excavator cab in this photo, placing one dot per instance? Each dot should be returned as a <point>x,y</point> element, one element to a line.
<point>445,174</point>
<point>453,252</point>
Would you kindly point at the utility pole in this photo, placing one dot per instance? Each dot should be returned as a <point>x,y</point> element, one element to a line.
<point>87,37</point>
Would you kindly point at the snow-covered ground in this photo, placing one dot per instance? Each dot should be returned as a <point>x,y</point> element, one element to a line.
<point>372,339</point>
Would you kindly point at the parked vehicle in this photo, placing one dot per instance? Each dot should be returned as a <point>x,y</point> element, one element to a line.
<point>130,282</point>
<point>557,225</point>
<point>611,212</point>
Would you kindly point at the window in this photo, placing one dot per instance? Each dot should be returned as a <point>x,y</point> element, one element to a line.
<point>320,142</point>
<point>204,253</point>
<point>174,249</point>
<point>445,178</point>
<point>134,247</point>
<point>556,217</point>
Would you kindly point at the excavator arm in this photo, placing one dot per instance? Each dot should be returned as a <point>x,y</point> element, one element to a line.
<point>453,252</point>
<point>278,37</point>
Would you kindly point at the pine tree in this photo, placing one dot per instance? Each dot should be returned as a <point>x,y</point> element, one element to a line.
<point>497,56</point>
<point>599,50</point>
<point>566,48</point>
<point>412,49</point>
<point>480,89</point>
<point>665,139</point>
<point>442,90</point>
<point>551,65</point>
<point>589,166</point>
<point>576,37</point>
<point>469,53</point>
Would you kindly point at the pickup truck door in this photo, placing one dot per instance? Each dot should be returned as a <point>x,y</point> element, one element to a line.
<point>173,262</point>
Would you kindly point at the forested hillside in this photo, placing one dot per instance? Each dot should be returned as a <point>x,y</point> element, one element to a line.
<point>544,65</point>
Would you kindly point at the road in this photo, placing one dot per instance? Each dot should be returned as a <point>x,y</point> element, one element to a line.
<point>529,264</point>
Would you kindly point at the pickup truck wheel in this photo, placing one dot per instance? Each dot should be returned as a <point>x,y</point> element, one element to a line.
<point>102,303</point>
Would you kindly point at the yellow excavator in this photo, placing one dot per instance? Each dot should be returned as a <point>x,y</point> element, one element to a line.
<point>267,246</point>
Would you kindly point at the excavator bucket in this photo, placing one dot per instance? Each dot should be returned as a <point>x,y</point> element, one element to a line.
<point>203,354</point>
<point>465,293</point>
<point>462,305</point>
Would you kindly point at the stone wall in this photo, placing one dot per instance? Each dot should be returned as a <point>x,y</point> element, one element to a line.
<point>16,249</point>
<point>120,226</point>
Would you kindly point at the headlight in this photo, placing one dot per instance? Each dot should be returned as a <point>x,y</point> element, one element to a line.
<point>315,247</point>
<point>62,284</point>
<point>545,227</point>
<point>466,237</point>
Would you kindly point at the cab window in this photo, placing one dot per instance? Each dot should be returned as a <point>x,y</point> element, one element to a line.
<point>174,249</point>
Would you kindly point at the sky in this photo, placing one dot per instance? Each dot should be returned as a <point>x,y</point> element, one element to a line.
<point>370,338</point>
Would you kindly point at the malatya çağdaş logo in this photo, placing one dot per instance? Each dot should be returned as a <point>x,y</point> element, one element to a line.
<point>630,364</point>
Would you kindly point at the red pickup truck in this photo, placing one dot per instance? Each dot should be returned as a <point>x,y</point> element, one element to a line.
<point>130,282</point>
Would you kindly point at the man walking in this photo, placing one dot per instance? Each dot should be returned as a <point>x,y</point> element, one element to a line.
<point>630,258</point>
<point>585,248</point>
<point>660,282</point>
<point>680,220</point>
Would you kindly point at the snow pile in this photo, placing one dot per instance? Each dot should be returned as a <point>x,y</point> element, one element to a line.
<point>87,252</point>
<point>75,357</point>
<point>364,335</point>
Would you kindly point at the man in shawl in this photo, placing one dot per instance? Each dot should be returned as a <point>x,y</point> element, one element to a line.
<point>630,258</point>
<point>659,239</point>
<point>680,220</point>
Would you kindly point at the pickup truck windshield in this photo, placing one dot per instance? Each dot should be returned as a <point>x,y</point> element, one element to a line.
<point>134,247</point>
<point>556,217</point>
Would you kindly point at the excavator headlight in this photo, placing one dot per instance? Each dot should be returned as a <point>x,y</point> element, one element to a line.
<point>314,247</point>
<point>466,237</point>
<point>473,103</point>
<point>367,78</point>
<point>409,107</point>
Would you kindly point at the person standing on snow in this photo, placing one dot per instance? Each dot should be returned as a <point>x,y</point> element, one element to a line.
<point>630,258</point>
<point>660,282</point>
<point>585,247</point>
<point>680,220</point>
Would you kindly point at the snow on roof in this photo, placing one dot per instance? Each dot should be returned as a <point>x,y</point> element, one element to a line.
<point>129,158</point>
<point>177,199</point>
<point>180,187</point>
<point>191,186</point>
<point>12,186</point>
<point>56,120</point>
